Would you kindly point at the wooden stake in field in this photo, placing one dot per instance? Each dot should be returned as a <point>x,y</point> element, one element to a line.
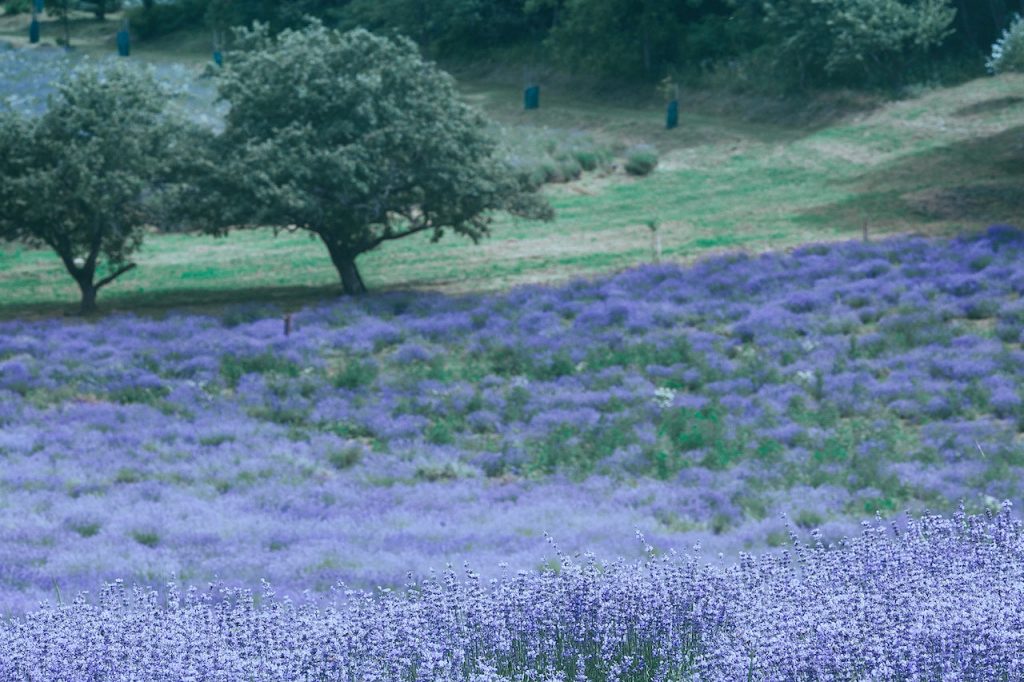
<point>288,324</point>
<point>653,226</point>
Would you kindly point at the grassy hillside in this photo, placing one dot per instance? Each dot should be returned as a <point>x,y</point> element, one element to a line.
<point>944,161</point>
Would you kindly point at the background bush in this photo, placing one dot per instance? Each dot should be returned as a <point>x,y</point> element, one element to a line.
<point>17,6</point>
<point>1008,51</point>
<point>641,160</point>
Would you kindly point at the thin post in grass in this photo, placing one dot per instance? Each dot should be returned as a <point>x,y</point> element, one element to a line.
<point>288,324</point>
<point>653,226</point>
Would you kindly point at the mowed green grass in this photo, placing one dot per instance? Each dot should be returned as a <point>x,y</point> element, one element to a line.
<point>946,161</point>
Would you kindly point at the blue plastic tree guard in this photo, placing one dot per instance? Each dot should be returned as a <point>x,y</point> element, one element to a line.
<point>672,116</point>
<point>39,5</point>
<point>531,97</point>
<point>218,58</point>
<point>124,43</point>
<point>33,31</point>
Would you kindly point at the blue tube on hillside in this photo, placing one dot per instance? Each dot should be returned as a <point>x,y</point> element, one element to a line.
<point>672,116</point>
<point>531,97</point>
<point>124,43</point>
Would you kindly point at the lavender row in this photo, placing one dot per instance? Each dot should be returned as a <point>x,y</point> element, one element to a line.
<point>401,431</point>
<point>936,598</point>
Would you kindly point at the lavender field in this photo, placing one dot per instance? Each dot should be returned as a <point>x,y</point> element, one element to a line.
<point>394,434</point>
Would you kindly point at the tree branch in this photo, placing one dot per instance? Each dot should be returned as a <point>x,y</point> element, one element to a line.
<point>399,235</point>
<point>110,278</point>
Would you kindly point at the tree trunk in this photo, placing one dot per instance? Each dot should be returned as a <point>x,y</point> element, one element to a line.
<point>647,52</point>
<point>89,291</point>
<point>345,264</point>
<point>351,281</point>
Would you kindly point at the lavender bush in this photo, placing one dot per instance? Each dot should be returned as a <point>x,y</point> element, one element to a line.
<point>940,598</point>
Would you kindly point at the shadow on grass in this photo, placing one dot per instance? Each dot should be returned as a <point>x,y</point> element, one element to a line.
<point>965,185</point>
<point>989,106</point>
<point>192,301</point>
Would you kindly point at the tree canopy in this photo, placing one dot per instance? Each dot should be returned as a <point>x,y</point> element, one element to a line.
<point>88,176</point>
<point>354,138</point>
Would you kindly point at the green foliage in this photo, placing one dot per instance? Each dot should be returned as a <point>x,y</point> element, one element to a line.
<point>152,20</point>
<point>618,36</point>
<point>223,14</point>
<point>345,458</point>
<point>375,145</point>
<point>356,373</point>
<point>862,41</point>
<point>86,530</point>
<point>570,449</point>
<point>1008,52</point>
<point>61,10</point>
<point>234,367</point>
<point>86,177</point>
<point>704,432</point>
<point>100,8</point>
<point>146,538</point>
<point>442,26</point>
<point>641,160</point>
<point>12,7</point>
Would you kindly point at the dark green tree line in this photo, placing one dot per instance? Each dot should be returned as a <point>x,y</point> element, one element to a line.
<point>811,42</point>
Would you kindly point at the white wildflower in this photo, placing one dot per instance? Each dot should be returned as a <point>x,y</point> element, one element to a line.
<point>664,396</point>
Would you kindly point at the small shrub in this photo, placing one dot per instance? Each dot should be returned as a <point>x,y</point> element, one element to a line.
<point>808,520</point>
<point>146,538</point>
<point>434,472</point>
<point>981,310</point>
<point>641,160</point>
<point>234,367</point>
<point>440,432</point>
<point>1008,52</point>
<point>215,440</point>
<point>569,168</point>
<point>86,530</point>
<point>587,159</point>
<point>551,171</point>
<point>126,476</point>
<point>356,374</point>
<point>345,458</point>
